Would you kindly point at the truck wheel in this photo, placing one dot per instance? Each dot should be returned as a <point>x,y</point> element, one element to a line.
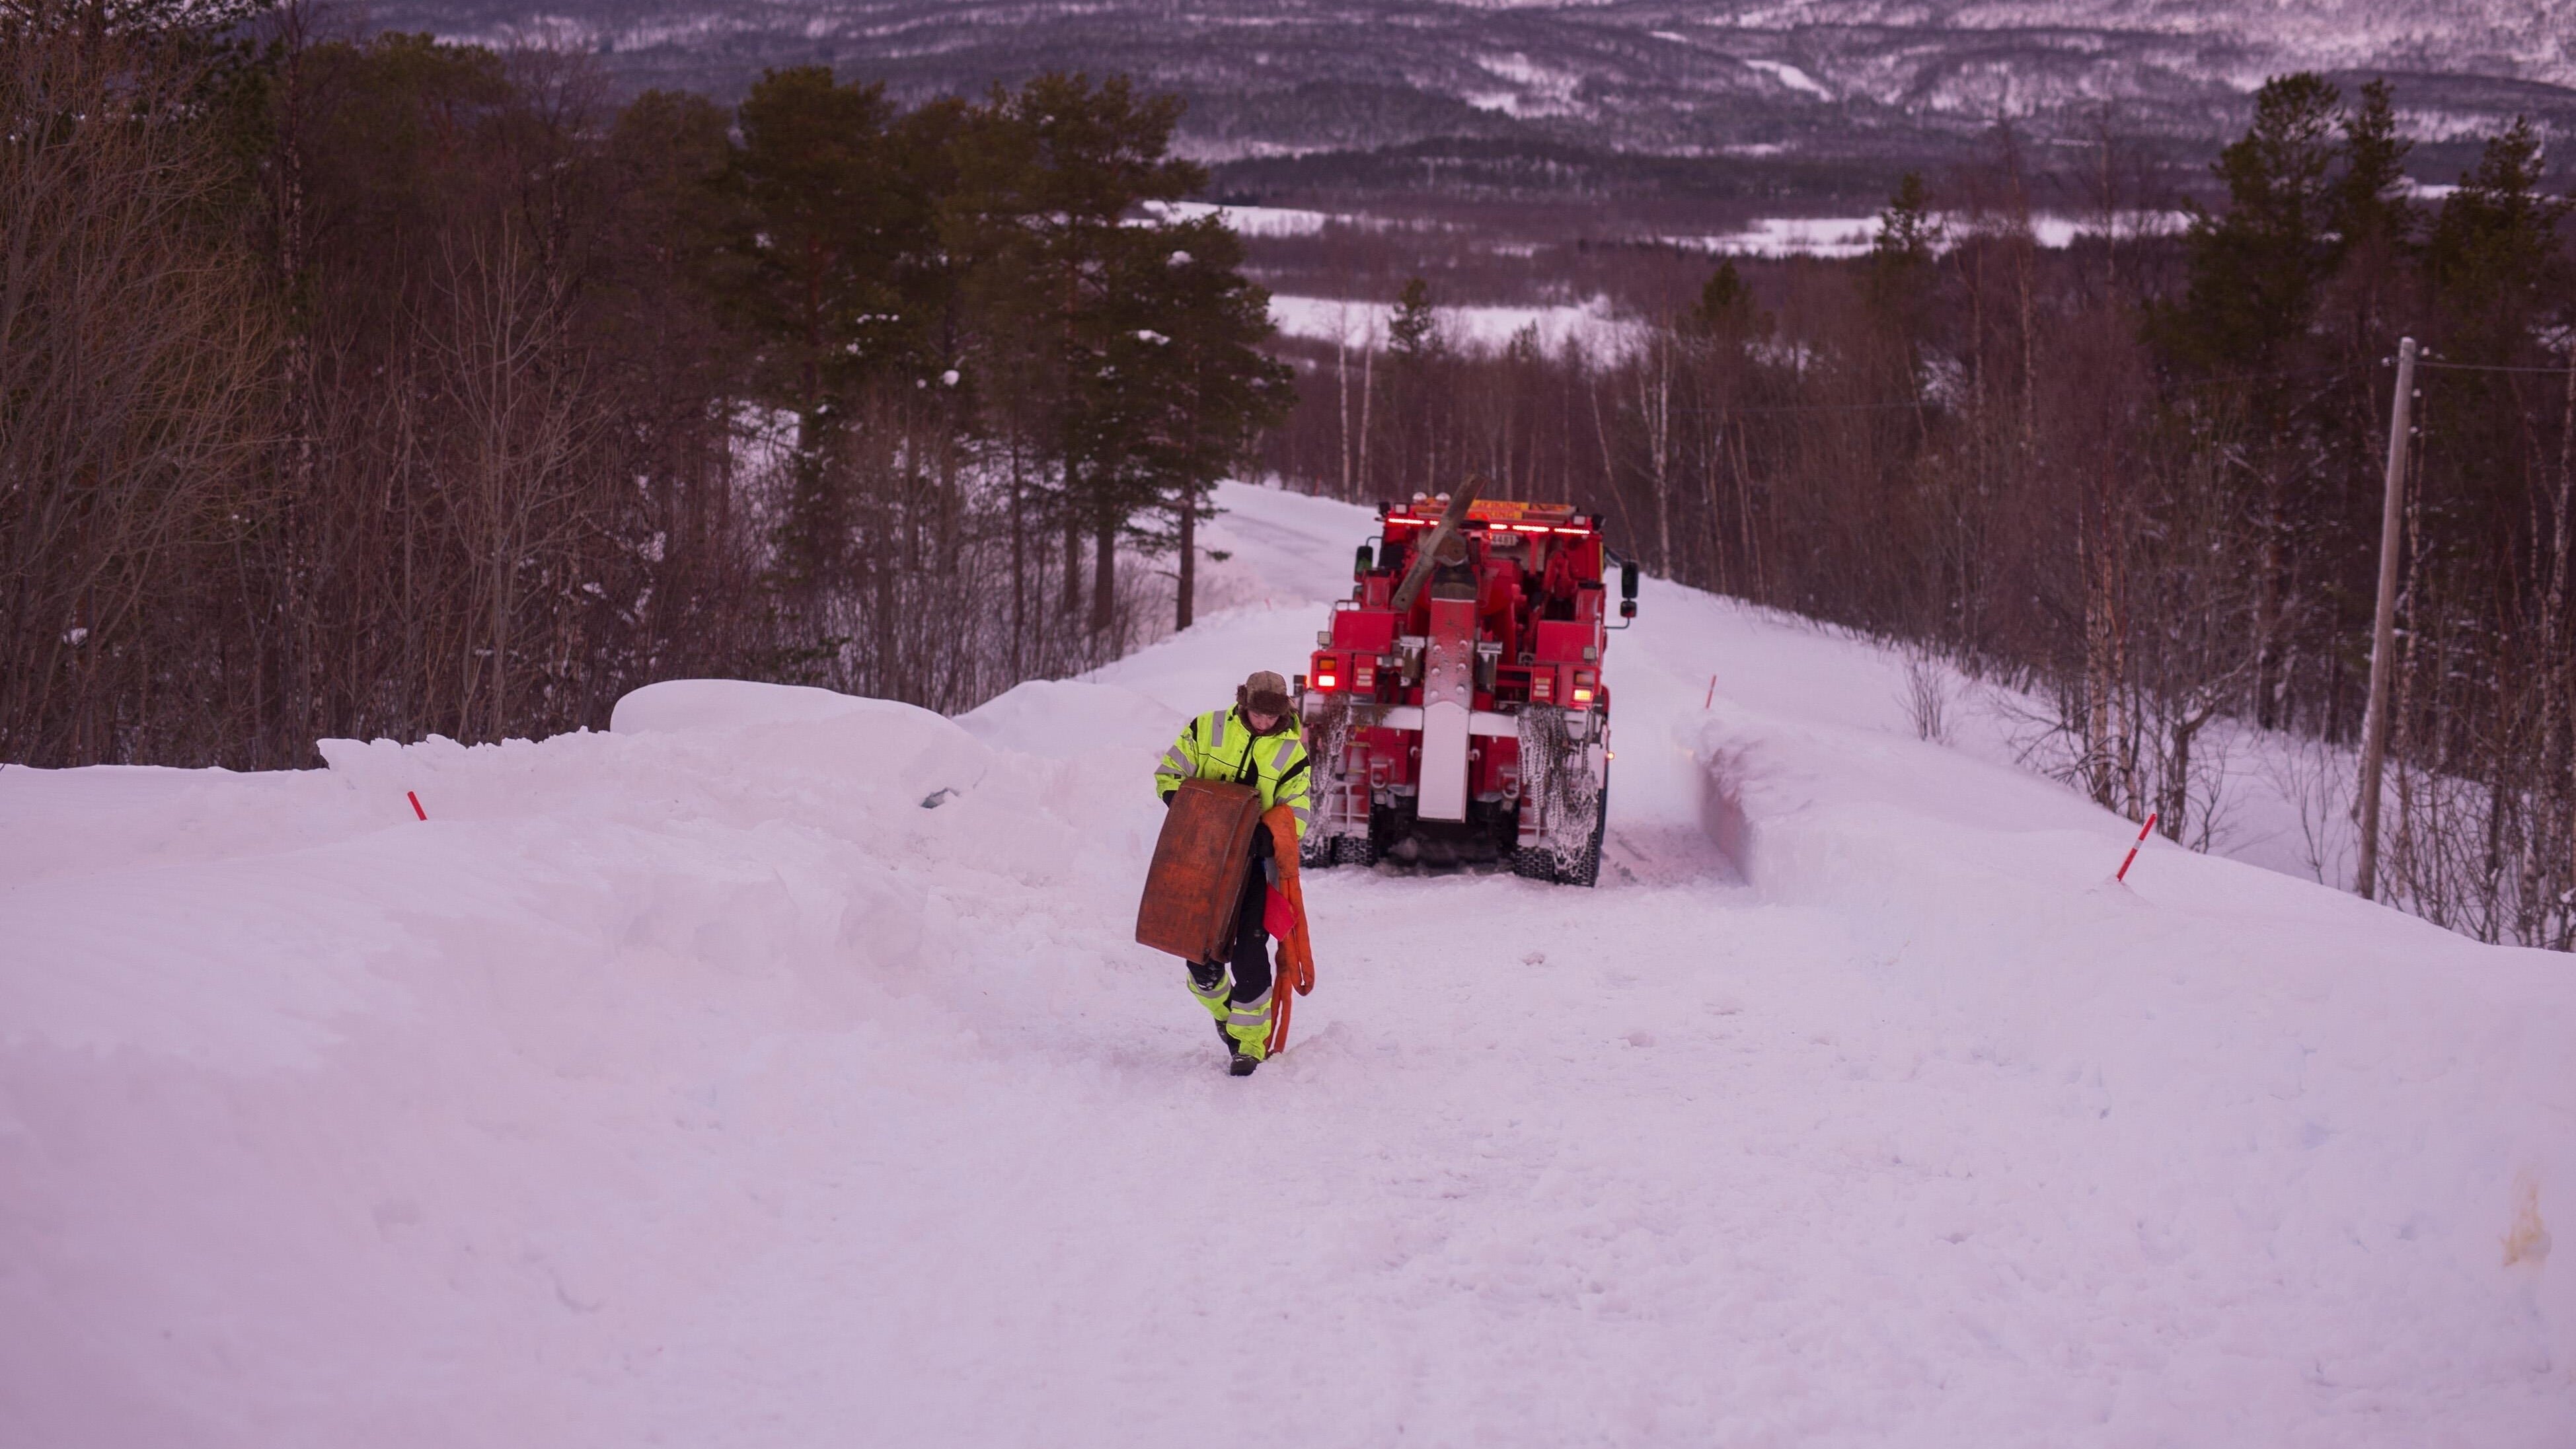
<point>1318,851</point>
<point>1387,826</point>
<point>1534,862</point>
<point>1585,869</point>
<point>1354,850</point>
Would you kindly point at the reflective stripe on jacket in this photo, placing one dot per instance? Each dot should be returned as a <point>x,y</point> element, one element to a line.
<point>1214,747</point>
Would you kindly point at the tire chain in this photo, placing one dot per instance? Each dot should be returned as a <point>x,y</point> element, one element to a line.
<point>1329,740</point>
<point>1564,790</point>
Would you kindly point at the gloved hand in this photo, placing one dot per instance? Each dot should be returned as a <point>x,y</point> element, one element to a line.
<point>1261,846</point>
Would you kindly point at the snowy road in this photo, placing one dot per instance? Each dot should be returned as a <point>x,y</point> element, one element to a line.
<point>698,1087</point>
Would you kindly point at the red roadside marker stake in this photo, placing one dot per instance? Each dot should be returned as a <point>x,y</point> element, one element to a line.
<point>414,798</point>
<point>2123,874</point>
<point>1712,693</point>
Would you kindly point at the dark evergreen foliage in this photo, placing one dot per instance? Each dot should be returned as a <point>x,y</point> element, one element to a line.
<point>445,395</point>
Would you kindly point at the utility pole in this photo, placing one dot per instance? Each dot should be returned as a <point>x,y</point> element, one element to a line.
<point>2383,639</point>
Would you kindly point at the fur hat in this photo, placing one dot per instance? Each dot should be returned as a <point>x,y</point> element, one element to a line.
<point>1263,693</point>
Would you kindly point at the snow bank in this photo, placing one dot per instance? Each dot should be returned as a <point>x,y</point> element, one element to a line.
<point>404,1132</point>
<point>1069,718</point>
<point>774,1069</point>
<point>688,704</point>
<point>2280,1084</point>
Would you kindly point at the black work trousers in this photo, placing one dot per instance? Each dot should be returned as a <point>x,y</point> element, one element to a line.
<point>1251,956</point>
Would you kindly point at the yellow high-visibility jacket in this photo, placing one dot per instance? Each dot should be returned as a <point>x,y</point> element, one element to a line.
<point>1217,745</point>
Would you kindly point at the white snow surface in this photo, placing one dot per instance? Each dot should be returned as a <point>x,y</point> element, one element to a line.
<point>694,1084</point>
<point>1852,236</point>
<point>1256,220</point>
<point>1489,329</point>
<point>1792,77</point>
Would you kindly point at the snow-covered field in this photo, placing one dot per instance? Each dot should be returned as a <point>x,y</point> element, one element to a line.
<point>1851,236</point>
<point>1593,324</point>
<point>1260,220</point>
<point>1474,329</point>
<point>695,1084</point>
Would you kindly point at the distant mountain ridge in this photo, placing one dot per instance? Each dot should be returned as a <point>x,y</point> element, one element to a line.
<point>1268,78</point>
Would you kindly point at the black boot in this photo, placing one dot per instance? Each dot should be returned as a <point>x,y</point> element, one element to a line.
<point>1242,1066</point>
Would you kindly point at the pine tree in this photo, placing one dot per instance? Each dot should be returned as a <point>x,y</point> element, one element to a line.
<point>1900,276</point>
<point>828,225</point>
<point>1413,404</point>
<point>2500,277</point>
<point>2255,268</point>
<point>1725,305</point>
<point>2256,275</point>
<point>1414,328</point>
<point>1193,391</point>
<point>1908,230</point>
<point>2361,310</point>
<point>2368,201</point>
<point>1047,179</point>
<point>2494,251</point>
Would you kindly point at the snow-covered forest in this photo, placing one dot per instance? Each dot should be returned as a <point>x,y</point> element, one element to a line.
<point>375,386</point>
<point>378,386</point>
<point>2138,473</point>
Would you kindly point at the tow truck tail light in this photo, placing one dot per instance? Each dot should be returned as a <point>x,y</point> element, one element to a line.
<point>1364,677</point>
<point>1543,686</point>
<point>1582,686</point>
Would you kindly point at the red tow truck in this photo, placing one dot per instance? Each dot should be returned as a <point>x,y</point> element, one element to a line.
<point>1454,708</point>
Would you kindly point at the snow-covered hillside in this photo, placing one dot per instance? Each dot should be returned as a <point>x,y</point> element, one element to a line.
<point>1670,77</point>
<point>705,1083</point>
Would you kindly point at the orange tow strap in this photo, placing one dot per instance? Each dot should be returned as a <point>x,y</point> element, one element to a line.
<point>1296,963</point>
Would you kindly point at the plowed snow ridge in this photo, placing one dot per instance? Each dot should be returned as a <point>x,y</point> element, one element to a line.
<point>694,1084</point>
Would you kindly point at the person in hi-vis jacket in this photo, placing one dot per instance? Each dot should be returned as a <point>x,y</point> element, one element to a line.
<point>1255,743</point>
